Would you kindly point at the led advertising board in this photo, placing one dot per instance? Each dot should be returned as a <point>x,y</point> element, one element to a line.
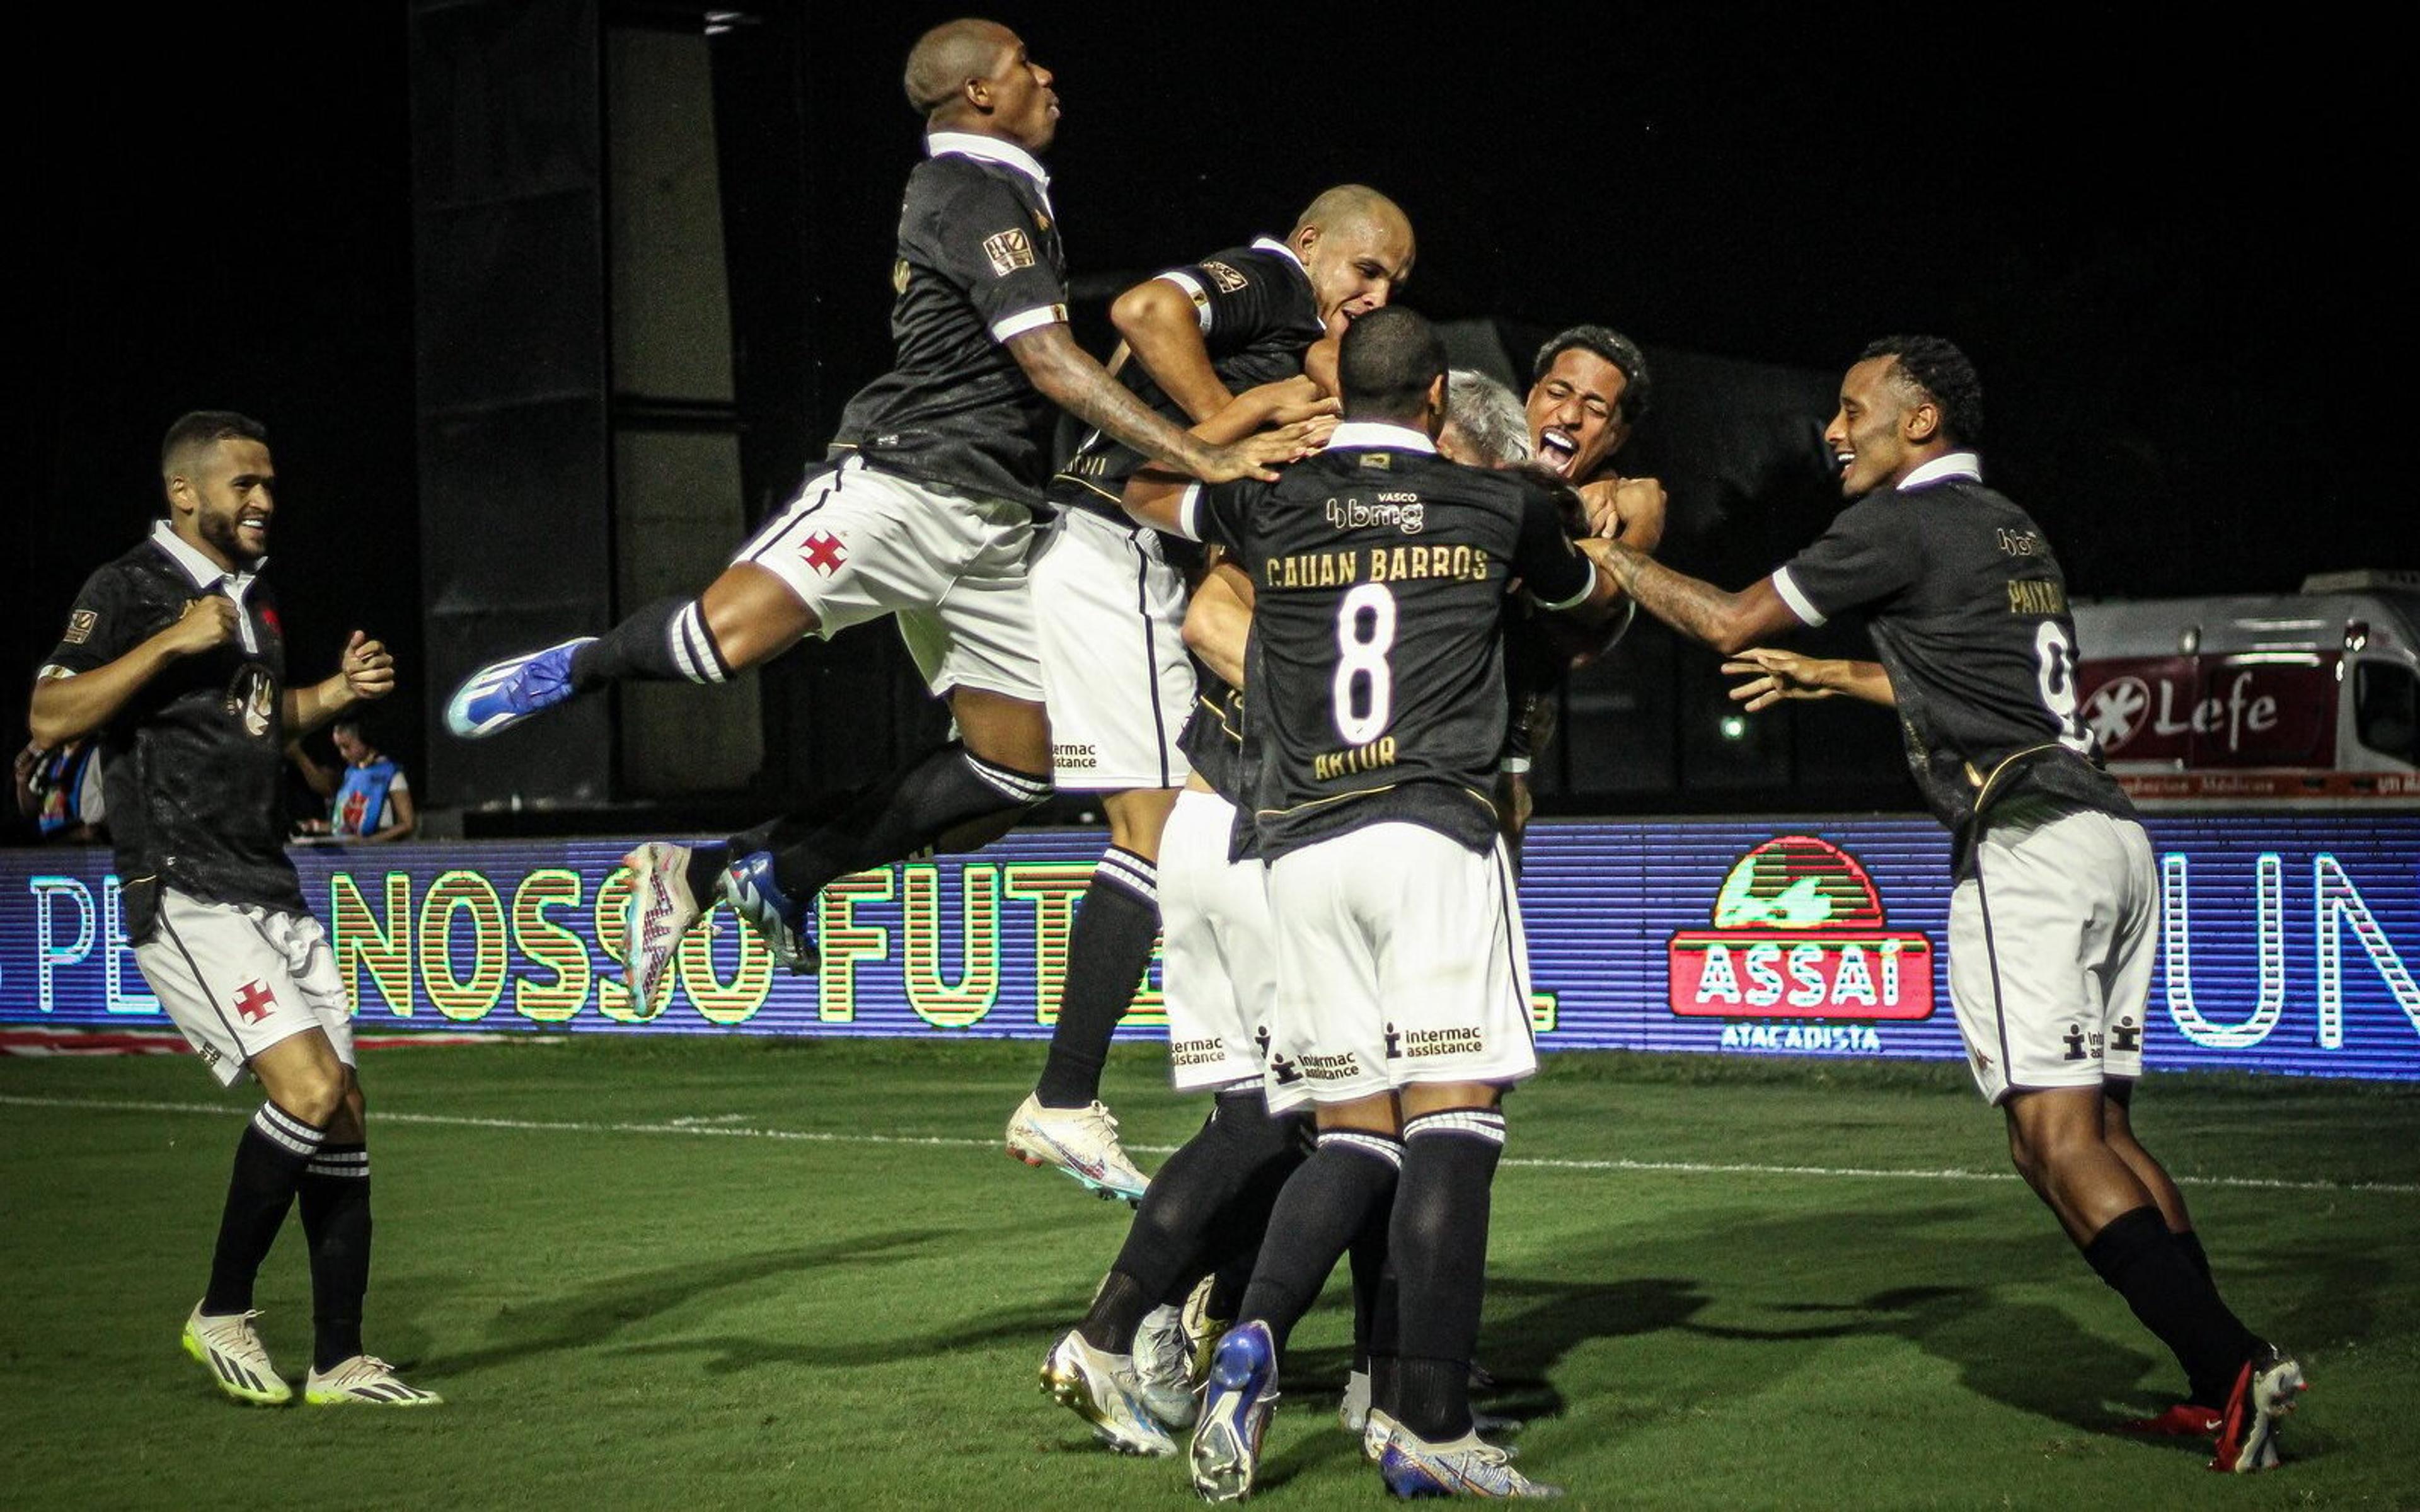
<point>2288,943</point>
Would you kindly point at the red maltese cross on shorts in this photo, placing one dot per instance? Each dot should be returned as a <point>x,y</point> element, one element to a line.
<point>824,552</point>
<point>255,1002</point>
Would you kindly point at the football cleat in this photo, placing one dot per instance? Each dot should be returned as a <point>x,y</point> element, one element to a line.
<point>1377,1431</point>
<point>364,1381</point>
<point>503,693</point>
<point>1467,1466</point>
<point>232,1353</point>
<point>2185,1420</point>
<point>1202,1332</point>
<point>659,911</point>
<point>1100,1388</point>
<point>1353,1407</point>
<point>2264,1393</point>
<point>1235,1413</point>
<point>1083,1142</point>
<point>749,887</point>
<point>1163,1366</point>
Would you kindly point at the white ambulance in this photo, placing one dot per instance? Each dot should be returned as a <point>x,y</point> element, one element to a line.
<point>2305,700</point>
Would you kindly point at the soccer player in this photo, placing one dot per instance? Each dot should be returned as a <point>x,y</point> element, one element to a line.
<point>1377,702</point>
<point>925,514</point>
<point>175,656</point>
<point>1113,663</point>
<point>1125,1367</point>
<point>2054,916</point>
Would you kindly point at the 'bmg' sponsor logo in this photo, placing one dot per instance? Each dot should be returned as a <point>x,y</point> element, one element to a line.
<point>1799,933</point>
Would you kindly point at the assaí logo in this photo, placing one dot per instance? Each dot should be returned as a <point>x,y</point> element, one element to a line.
<point>1800,936</point>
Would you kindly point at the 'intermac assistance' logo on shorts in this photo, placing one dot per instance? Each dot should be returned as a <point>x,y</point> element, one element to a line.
<point>1799,935</point>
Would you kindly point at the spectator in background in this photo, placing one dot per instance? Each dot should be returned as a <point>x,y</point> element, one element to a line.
<point>370,798</point>
<point>58,789</point>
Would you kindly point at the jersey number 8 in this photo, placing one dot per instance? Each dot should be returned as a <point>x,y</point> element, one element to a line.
<point>1362,658</point>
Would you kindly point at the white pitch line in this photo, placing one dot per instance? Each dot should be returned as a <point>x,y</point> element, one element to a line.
<point>692,1126</point>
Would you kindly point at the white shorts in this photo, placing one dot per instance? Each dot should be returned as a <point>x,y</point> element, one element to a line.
<point>857,544</point>
<point>238,980</point>
<point>1113,664</point>
<point>1401,960</point>
<point>1216,959</point>
<point>2051,947</point>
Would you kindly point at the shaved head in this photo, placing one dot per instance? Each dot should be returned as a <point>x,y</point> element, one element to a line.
<point>944,58</point>
<point>1351,205</point>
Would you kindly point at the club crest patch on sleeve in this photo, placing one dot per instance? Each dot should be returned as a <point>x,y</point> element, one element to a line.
<point>80,626</point>
<point>1228,280</point>
<point>1008,252</point>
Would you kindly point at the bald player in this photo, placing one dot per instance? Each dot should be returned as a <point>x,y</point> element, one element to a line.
<point>1240,321</point>
<point>925,512</point>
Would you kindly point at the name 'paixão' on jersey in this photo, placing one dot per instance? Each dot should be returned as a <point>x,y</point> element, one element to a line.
<point>1375,687</point>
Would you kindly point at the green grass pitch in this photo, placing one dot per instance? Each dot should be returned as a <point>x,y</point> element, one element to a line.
<point>752,1273</point>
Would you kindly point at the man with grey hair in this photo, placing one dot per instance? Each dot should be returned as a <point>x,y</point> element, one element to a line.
<point>1484,425</point>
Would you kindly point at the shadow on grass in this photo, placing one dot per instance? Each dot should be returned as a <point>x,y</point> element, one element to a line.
<point>2029,1356</point>
<point>592,1314</point>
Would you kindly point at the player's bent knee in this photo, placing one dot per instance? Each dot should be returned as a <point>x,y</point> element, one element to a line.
<point>752,615</point>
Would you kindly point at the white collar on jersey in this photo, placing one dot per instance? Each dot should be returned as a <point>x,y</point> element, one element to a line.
<point>206,574</point>
<point>1942,468</point>
<point>1273,244</point>
<point>1374,435</point>
<point>988,149</point>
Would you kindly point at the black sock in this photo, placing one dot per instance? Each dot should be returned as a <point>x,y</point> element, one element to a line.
<point>335,1201</point>
<point>1109,947</point>
<point>1439,1245</point>
<point>2189,1243</point>
<point>704,873</point>
<point>667,641</point>
<point>2143,1263</point>
<point>1192,1194</point>
<point>949,787</point>
<point>1323,1207</point>
<point>1370,1277</point>
<point>268,1162</point>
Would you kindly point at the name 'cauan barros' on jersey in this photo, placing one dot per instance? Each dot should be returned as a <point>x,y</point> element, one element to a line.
<point>1404,511</point>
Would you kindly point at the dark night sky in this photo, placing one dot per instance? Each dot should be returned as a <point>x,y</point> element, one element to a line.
<point>2163,255</point>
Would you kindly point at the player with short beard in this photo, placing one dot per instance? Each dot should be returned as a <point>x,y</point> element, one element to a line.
<point>175,655</point>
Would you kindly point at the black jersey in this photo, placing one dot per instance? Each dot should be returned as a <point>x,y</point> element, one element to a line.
<point>980,262</point>
<point>1379,572</point>
<point>1213,741</point>
<point>191,764</point>
<point>1969,616</point>
<point>1258,316</point>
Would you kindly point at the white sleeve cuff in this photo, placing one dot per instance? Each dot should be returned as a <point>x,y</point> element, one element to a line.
<point>1587,587</point>
<point>1194,291</point>
<point>1025,320</point>
<point>1189,512</point>
<point>1796,599</point>
<point>52,672</point>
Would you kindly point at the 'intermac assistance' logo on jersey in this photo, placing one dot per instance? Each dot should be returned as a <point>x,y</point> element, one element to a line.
<point>1799,935</point>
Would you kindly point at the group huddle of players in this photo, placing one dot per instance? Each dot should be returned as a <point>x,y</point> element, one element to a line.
<point>1286,602</point>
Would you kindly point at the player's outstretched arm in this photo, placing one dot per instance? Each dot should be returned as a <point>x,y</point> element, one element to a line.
<point>1772,675</point>
<point>66,707</point>
<point>1730,622</point>
<point>1164,333</point>
<point>365,672</point>
<point>1068,378</point>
